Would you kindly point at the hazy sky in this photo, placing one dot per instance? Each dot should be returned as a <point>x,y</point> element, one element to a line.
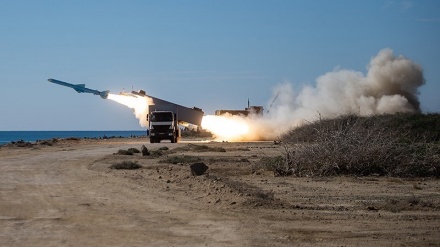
<point>209,54</point>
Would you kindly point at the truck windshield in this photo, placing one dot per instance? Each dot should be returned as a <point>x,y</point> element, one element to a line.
<point>161,116</point>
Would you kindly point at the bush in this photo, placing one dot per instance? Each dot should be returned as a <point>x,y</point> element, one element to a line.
<point>156,153</point>
<point>363,146</point>
<point>72,139</point>
<point>129,151</point>
<point>133,150</point>
<point>277,165</point>
<point>204,148</point>
<point>127,165</point>
<point>403,127</point>
<point>200,148</point>
<point>124,152</point>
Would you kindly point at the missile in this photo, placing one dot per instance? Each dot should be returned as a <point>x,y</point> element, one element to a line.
<point>81,88</point>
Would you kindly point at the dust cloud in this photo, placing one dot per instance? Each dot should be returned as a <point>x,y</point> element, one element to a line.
<point>390,86</point>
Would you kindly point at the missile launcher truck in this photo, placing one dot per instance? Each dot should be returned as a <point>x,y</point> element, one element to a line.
<point>165,119</point>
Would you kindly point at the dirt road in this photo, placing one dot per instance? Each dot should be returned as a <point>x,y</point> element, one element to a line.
<point>66,195</point>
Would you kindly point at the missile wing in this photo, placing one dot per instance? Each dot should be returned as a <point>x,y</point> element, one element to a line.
<point>81,88</point>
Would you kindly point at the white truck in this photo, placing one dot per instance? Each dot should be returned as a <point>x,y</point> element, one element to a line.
<point>165,118</point>
<point>163,126</point>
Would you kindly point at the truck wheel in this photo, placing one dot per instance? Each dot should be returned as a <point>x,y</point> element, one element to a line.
<point>152,140</point>
<point>173,140</point>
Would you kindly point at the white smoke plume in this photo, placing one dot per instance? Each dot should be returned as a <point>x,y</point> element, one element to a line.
<point>390,86</point>
<point>139,105</point>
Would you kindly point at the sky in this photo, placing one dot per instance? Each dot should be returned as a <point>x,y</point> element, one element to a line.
<point>208,54</point>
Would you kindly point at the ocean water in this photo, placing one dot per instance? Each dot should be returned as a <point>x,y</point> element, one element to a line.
<point>32,136</point>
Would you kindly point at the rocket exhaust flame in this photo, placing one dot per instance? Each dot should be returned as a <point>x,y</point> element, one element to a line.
<point>227,127</point>
<point>139,104</point>
<point>390,86</point>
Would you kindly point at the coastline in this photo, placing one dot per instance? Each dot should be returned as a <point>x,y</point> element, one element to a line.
<point>35,136</point>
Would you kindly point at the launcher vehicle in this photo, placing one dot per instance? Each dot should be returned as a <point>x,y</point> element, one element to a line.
<point>166,117</point>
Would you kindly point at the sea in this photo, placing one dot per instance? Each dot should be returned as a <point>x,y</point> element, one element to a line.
<point>33,136</point>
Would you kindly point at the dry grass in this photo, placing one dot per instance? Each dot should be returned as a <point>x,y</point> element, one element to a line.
<point>363,146</point>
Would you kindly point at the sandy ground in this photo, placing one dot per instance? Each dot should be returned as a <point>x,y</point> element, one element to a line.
<point>66,195</point>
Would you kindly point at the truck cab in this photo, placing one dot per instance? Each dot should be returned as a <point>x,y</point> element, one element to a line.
<point>163,126</point>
